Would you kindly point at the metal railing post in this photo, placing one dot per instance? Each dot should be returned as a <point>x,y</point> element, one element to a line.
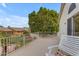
<point>1,48</point>
<point>5,47</point>
<point>23,40</point>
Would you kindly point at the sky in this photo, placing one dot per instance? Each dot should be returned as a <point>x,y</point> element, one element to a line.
<point>16,14</point>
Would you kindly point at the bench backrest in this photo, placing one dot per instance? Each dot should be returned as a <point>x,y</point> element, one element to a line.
<point>70,45</point>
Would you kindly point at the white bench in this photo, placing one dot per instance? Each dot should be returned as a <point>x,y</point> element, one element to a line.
<point>69,45</point>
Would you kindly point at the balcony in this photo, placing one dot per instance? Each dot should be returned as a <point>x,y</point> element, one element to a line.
<point>37,47</point>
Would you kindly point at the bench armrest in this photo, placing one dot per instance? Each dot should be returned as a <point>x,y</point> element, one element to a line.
<point>50,47</point>
<point>49,52</point>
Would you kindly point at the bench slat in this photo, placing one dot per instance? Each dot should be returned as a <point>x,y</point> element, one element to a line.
<point>70,45</point>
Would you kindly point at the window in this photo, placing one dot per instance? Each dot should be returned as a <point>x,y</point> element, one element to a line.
<point>72,7</point>
<point>69,26</point>
<point>76,25</point>
<point>73,25</point>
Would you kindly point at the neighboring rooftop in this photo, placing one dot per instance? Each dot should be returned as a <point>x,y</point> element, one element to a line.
<point>5,29</point>
<point>11,29</point>
<point>16,29</point>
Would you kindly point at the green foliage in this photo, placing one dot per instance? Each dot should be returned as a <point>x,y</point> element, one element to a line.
<point>26,33</point>
<point>43,21</point>
<point>5,34</point>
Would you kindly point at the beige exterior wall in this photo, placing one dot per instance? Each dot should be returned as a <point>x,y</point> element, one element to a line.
<point>17,33</point>
<point>65,16</point>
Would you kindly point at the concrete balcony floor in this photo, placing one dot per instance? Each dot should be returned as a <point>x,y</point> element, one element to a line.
<point>37,47</point>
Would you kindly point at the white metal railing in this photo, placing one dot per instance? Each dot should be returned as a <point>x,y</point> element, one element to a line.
<point>9,44</point>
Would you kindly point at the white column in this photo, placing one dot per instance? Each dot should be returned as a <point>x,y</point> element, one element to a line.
<point>73,28</point>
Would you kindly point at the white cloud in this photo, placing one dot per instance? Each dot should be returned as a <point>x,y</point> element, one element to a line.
<point>18,21</point>
<point>8,19</point>
<point>4,5</point>
<point>12,20</point>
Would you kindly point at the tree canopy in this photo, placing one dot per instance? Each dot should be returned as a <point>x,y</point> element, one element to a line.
<point>43,21</point>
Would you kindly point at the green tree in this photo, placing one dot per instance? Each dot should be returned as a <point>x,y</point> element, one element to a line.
<point>45,21</point>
